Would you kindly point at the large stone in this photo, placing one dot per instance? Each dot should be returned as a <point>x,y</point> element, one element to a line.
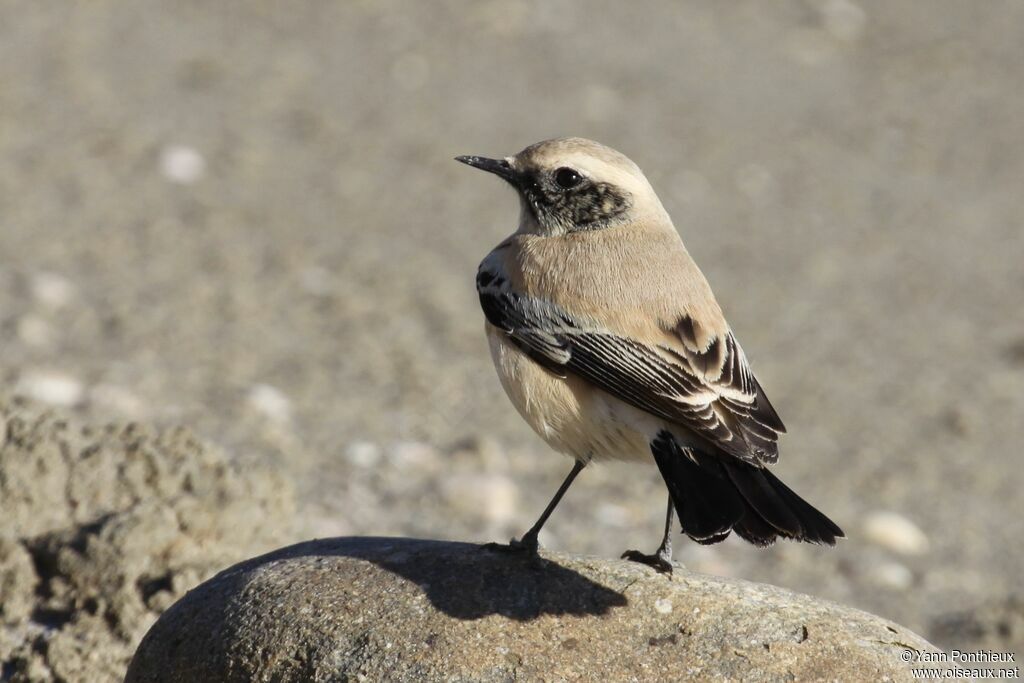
<point>394,609</point>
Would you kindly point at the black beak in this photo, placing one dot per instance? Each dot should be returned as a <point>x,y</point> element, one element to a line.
<point>498,167</point>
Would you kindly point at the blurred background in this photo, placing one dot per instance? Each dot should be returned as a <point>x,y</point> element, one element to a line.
<point>244,217</point>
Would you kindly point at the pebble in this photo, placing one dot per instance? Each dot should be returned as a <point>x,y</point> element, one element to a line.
<point>364,454</point>
<point>52,387</point>
<point>891,575</point>
<point>181,164</point>
<point>663,606</point>
<point>52,290</point>
<point>270,402</point>
<point>895,532</point>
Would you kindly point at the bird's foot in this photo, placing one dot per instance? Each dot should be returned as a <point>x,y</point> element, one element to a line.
<point>659,561</point>
<point>525,547</point>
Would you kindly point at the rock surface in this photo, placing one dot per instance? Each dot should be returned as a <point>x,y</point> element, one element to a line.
<point>414,610</point>
<point>103,528</point>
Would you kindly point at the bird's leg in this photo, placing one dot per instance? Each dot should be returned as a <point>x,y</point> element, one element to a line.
<point>661,559</point>
<point>528,543</point>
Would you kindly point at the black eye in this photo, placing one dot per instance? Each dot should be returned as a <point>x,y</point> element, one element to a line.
<point>566,178</point>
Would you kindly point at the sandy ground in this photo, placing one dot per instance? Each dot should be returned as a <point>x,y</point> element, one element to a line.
<point>244,217</point>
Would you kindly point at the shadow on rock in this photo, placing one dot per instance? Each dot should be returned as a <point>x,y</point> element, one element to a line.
<point>464,580</point>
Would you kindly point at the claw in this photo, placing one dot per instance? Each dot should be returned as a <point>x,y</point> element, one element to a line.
<point>528,547</point>
<point>656,560</point>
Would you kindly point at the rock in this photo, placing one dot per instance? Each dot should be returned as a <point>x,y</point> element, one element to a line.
<point>895,532</point>
<point>270,402</point>
<point>417,610</point>
<point>892,575</point>
<point>363,454</point>
<point>52,290</point>
<point>182,164</point>
<point>106,527</point>
<point>17,581</point>
<point>48,386</point>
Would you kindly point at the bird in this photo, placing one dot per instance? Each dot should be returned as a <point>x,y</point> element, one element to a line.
<point>609,342</point>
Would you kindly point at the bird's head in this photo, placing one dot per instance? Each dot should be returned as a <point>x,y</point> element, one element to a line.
<point>572,185</point>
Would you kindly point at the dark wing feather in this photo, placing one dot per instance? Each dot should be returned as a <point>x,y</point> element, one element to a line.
<point>727,412</point>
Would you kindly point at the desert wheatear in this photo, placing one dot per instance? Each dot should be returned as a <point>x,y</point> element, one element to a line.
<point>609,341</point>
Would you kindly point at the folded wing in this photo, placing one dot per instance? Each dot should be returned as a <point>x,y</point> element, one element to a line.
<point>707,387</point>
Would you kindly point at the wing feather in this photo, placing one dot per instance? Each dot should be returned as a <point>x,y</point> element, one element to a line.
<point>710,389</point>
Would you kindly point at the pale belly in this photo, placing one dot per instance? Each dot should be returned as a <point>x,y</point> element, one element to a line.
<point>571,415</point>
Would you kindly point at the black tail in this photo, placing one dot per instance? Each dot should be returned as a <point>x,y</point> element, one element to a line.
<point>714,495</point>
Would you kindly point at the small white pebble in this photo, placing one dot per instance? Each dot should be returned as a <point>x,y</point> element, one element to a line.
<point>363,454</point>
<point>270,402</point>
<point>54,388</point>
<point>51,290</point>
<point>662,606</point>
<point>891,575</point>
<point>895,532</point>
<point>181,164</point>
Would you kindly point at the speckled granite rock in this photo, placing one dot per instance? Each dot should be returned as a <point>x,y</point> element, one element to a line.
<point>413,610</point>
